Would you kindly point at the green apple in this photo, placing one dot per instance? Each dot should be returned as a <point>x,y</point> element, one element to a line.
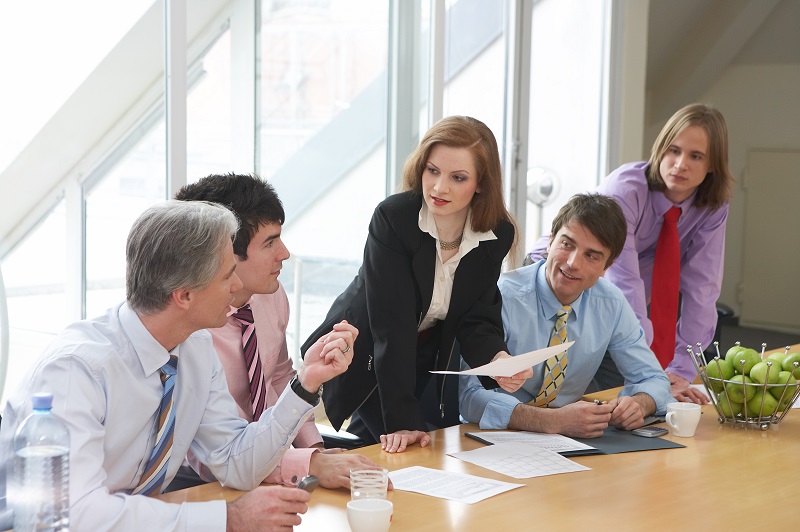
<point>744,360</point>
<point>730,353</point>
<point>777,357</point>
<point>740,388</point>
<point>788,383</point>
<point>763,403</point>
<point>719,369</point>
<point>788,364</point>
<point>765,372</point>
<point>729,408</point>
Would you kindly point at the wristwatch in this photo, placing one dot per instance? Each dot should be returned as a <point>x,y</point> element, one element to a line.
<point>311,398</point>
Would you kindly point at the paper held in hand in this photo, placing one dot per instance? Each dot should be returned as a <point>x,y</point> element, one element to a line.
<point>506,367</point>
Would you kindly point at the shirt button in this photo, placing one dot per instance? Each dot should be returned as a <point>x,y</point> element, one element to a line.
<point>294,479</point>
<point>294,411</point>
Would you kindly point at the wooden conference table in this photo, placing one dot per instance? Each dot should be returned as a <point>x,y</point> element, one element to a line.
<point>727,477</point>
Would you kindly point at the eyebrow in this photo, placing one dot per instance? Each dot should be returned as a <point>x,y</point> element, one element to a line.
<point>273,236</point>
<point>590,250</point>
<point>454,172</point>
<point>701,152</point>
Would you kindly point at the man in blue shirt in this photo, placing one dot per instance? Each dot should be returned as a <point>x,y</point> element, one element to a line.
<point>589,234</point>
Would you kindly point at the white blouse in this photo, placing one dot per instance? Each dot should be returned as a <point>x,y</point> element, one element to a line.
<point>445,272</point>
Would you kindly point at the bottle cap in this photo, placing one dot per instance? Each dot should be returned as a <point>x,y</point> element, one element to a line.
<point>42,401</point>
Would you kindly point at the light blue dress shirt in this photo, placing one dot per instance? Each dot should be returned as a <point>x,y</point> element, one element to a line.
<point>104,377</point>
<point>601,320</point>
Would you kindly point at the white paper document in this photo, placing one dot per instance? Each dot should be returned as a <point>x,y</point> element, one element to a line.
<point>552,442</point>
<point>520,460</point>
<point>448,485</point>
<point>506,367</point>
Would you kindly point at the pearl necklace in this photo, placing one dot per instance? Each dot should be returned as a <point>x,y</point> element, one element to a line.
<point>451,245</point>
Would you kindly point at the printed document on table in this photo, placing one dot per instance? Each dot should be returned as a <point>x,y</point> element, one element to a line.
<point>448,485</point>
<point>552,442</point>
<point>520,460</point>
<point>506,367</point>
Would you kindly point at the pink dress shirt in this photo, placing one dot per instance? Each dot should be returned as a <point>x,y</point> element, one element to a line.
<point>271,317</point>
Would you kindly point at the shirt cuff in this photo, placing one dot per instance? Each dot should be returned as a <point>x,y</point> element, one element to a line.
<point>682,366</point>
<point>293,467</point>
<point>497,413</point>
<point>210,515</point>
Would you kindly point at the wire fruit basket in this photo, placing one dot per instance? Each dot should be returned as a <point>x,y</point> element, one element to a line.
<point>741,396</point>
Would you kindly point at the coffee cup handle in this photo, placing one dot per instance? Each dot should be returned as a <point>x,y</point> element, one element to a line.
<point>669,417</point>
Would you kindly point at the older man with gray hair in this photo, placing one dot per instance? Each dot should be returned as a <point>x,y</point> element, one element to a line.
<point>141,385</point>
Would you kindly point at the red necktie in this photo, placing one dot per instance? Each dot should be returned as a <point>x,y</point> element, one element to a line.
<point>666,288</point>
<point>258,389</point>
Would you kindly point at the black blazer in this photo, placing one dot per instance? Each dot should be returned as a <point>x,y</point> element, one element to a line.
<point>388,299</point>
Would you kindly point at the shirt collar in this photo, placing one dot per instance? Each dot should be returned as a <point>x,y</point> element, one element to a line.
<point>232,310</point>
<point>663,204</point>
<point>548,304</point>
<point>151,353</point>
<point>469,241</point>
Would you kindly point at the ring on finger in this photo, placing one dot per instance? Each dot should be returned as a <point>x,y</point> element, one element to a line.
<point>346,349</point>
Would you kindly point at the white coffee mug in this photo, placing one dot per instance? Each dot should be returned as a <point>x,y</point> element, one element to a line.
<point>369,515</point>
<point>683,418</point>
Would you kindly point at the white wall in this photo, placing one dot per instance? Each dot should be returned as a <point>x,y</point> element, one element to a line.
<point>761,104</point>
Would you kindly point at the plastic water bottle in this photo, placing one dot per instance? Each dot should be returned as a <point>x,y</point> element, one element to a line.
<point>39,493</point>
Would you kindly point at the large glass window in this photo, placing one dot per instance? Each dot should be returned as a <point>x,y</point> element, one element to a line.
<point>49,47</point>
<point>137,181</point>
<point>321,97</point>
<point>566,96</point>
<point>35,281</point>
<point>475,62</point>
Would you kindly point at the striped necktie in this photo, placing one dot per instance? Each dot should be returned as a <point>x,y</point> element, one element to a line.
<point>258,388</point>
<point>156,469</point>
<point>556,365</point>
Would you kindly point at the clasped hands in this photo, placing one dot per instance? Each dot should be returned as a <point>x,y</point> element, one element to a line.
<point>328,357</point>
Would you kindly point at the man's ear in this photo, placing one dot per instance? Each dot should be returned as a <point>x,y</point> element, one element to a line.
<point>182,297</point>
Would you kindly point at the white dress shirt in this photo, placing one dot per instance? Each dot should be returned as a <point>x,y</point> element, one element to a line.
<point>104,377</point>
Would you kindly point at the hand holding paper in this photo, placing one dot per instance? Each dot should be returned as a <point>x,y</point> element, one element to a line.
<point>506,367</point>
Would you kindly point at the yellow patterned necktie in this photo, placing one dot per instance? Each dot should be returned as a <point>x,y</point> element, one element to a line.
<point>556,365</point>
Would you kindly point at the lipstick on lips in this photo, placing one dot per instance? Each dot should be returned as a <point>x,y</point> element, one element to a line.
<point>438,201</point>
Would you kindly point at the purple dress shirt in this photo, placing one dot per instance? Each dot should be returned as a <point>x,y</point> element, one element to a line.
<point>702,245</point>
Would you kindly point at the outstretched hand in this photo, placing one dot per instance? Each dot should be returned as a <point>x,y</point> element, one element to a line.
<point>397,442</point>
<point>513,383</point>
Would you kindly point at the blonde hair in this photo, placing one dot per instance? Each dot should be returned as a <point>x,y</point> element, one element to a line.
<point>715,190</point>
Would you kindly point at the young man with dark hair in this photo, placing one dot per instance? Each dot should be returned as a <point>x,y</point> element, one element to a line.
<point>561,299</point>
<point>252,343</point>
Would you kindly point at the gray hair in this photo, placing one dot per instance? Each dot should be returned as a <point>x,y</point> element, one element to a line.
<point>174,245</point>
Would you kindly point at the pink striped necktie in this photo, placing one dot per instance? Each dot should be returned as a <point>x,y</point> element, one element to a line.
<point>258,388</point>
